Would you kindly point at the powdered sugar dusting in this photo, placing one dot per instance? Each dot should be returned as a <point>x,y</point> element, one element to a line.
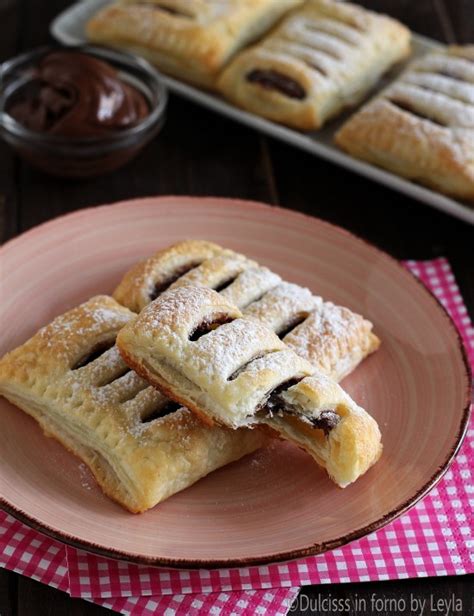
<point>87,481</point>
<point>182,305</point>
<point>250,285</point>
<point>431,104</point>
<point>290,299</point>
<point>84,322</point>
<point>230,345</point>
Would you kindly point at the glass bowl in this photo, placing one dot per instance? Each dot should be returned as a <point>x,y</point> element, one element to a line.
<point>82,156</point>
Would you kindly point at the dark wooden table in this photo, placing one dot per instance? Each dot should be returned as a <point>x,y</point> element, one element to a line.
<point>200,153</point>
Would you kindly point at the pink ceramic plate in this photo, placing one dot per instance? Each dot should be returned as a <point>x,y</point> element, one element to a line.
<point>275,504</point>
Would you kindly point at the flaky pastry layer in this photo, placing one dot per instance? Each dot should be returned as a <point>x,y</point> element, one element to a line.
<point>141,449</point>
<point>190,39</point>
<point>323,57</point>
<point>198,348</point>
<point>332,338</point>
<point>422,126</point>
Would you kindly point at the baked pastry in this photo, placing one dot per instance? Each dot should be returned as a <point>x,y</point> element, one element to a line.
<point>190,39</point>
<point>140,446</point>
<point>323,57</point>
<point>422,126</point>
<point>332,338</point>
<point>198,348</point>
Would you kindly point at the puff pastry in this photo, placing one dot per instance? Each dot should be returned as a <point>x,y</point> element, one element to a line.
<point>422,126</point>
<point>190,39</point>
<point>199,349</point>
<point>322,58</point>
<point>332,338</point>
<point>140,446</point>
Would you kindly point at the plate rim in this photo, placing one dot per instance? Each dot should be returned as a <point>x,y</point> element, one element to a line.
<point>287,555</point>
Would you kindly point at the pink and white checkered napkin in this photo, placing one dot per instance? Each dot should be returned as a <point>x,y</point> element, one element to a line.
<point>433,538</point>
<point>29,553</point>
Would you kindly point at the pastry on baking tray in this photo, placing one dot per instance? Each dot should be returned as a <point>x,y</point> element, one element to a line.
<point>332,338</point>
<point>190,39</point>
<point>198,348</point>
<point>140,446</point>
<point>422,126</point>
<point>323,57</point>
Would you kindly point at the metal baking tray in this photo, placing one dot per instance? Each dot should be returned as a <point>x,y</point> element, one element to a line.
<point>68,28</point>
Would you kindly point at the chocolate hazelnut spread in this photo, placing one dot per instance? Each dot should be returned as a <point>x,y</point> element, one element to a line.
<point>74,94</point>
<point>209,324</point>
<point>273,80</point>
<point>326,420</point>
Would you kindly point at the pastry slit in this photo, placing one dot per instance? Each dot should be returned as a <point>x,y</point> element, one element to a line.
<point>162,286</point>
<point>162,410</point>
<point>358,27</point>
<point>410,108</point>
<point>166,9</point>
<point>455,97</point>
<point>132,393</point>
<point>94,353</point>
<point>314,46</point>
<point>449,75</point>
<point>226,283</point>
<point>315,67</point>
<point>319,46</point>
<point>114,377</point>
<point>291,325</point>
<point>274,80</point>
<point>338,37</point>
<point>256,300</point>
<point>269,403</point>
<point>208,325</point>
<point>247,364</point>
<point>423,86</point>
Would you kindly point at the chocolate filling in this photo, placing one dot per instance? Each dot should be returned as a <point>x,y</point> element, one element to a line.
<point>326,420</point>
<point>160,287</point>
<point>404,106</point>
<point>273,402</point>
<point>273,80</point>
<point>208,325</point>
<point>99,349</point>
<point>162,411</point>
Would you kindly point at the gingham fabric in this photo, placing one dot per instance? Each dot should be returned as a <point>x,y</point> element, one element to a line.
<point>276,602</point>
<point>433,538</point>
<point>29,553</point>
<point>25,551</point>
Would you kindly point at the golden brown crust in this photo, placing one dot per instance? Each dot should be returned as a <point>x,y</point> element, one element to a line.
<point>322,58</point>
<point>231,370</point>
<point>332,338</point>
<point>190,40</point>
<point>143,370</point>
<point>422,126</point>
<point>137,286</point>
<point>104,413</point>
